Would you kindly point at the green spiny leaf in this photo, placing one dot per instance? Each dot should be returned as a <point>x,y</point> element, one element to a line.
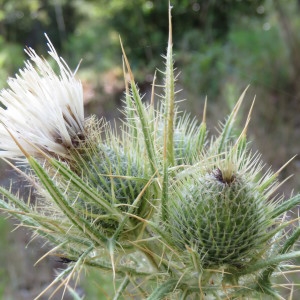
<point>60,200</point>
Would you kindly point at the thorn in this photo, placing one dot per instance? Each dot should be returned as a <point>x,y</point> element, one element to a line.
<point>152,91</point>
<point>126,61</point>
<point>125,79</point>
<point>204,111</point>
<point>249,116</point>
<point>244,131</point>
<point>49,252</point>
<point>170,26</point>
<point>238,104</point>
<point>277,173</point>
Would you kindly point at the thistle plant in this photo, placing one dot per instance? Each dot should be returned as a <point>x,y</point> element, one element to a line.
<point>170,212</point>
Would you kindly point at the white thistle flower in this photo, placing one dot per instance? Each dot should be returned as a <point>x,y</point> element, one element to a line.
<point>43,110</point>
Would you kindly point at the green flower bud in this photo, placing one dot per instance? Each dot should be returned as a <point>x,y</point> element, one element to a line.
<point>107,171</point>
<point>220,212</point>
<point>119,180</point>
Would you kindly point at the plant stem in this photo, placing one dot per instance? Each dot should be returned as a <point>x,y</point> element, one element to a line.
<point>122,287</point>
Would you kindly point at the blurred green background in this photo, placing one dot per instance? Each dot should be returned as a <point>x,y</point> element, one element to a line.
<point>220,48</point>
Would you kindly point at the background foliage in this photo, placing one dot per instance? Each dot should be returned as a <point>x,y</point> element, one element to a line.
<point>221,47</point>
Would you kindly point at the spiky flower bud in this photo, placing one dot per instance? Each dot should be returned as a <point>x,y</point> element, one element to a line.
<point>220,210</point>
<point>119,179</point>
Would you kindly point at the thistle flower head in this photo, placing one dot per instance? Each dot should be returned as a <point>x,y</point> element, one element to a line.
<point>175,214</point>
<point>221,210</point>
<point>41,109</point>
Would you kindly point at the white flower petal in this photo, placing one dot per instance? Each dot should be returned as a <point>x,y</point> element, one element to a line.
<point>42,108</point>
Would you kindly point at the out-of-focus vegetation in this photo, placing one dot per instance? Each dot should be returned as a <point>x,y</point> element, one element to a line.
<point>221,47</point>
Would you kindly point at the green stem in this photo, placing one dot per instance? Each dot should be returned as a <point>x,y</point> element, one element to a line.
<point>165,193</point>
<point>122,288</point>
<point>163,290</point>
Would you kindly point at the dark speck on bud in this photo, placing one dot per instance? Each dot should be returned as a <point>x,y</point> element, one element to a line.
<point>223,177</point>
